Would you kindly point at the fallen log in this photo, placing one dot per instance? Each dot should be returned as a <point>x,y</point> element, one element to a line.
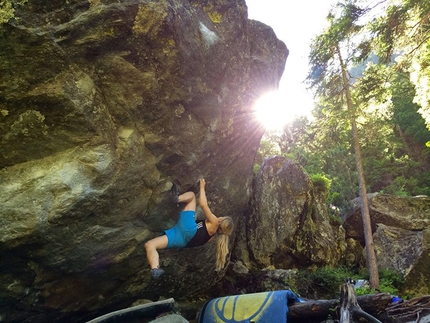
<point>319,310</point>
<point>413,310</point>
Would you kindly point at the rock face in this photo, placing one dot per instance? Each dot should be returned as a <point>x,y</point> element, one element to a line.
<point>103,104</point>
<point>288,225</point>
<point>401,227</point>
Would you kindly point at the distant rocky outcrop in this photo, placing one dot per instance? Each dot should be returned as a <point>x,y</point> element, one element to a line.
<point>103,104</point>
<point>288,225</point>
<point>287,228</point>
<point>401,234</point>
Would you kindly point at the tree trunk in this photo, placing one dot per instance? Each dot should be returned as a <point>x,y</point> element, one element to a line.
<point>349,308</point>
<point>372,266</point>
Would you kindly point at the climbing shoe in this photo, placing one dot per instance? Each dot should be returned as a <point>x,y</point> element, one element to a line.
<point>195,188</point>
<point>175,193</point>
<point>156,273</point>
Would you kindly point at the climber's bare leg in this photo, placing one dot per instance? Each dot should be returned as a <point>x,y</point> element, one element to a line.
<point>151,248</point>
<point>190,199</point>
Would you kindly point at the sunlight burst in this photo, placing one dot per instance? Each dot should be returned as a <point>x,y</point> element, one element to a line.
<point>272,111</point>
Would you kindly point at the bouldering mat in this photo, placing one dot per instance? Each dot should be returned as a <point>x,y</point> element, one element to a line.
<point>265,307</point>
<point>145,310</point>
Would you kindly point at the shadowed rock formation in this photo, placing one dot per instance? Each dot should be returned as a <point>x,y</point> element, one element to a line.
<point>401,227</point>
<point>288,226</point>
<point>103,104</point>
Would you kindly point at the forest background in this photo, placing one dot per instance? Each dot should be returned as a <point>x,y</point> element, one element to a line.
<point>384,47</point>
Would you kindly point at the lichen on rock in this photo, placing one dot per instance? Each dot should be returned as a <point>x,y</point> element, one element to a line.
<point>104,104</point>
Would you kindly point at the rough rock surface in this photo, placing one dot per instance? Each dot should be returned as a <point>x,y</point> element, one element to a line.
<point>411,213</point>
<point>406,252</point>
<point>287,226</point>
<point>401,227</point>
<point>103,104</point>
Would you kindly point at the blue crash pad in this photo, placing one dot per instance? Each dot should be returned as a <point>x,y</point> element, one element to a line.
<point>265,307</point>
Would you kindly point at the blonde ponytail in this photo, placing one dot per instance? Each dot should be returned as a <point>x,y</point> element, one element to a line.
<point>226,228</point>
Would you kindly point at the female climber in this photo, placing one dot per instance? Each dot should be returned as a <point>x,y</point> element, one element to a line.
<point>188,233</point>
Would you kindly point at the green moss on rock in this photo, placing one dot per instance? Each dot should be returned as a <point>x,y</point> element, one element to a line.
<point>7,10</point>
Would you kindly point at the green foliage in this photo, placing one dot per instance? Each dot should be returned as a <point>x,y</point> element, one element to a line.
<point>389,282</point>
<point>321,182</point>
<point>399,186</point>
<point>390,279</point>
<point>405,111</point>
<point>362,291</point>
<point>335,219</point>
<point>322,283</point>
<point>423,187</point>
<point>268,147</point>
<point>391,110</point>
<point>256,168</point>
<point>404,28</point>
<point>7,9</point>
<point>373,85</point>
<point>335,198</point>
<point>374,101</point>
<point>325,75</point>
<point>392,134</point>
<point>325,282</point>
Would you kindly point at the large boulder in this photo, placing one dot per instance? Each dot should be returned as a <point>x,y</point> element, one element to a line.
<point>401,235</point>
<point>412,213</point>
<point>406,252</point>
<point>103,104</point>
<point>287,225</point>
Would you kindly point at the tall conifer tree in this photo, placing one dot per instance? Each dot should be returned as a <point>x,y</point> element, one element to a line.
<point>329,78</point>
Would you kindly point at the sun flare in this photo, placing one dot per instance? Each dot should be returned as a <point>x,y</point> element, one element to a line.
<point>272,111</point>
